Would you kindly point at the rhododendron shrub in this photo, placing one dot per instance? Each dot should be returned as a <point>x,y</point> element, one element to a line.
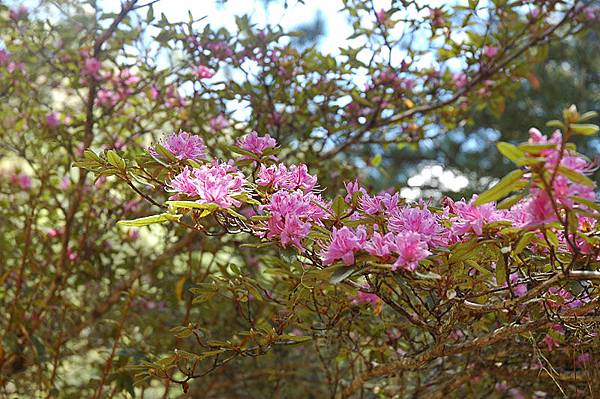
<point>254,258</point>
<point>523,256</point>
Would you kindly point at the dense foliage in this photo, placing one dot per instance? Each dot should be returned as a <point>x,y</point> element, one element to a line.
<point>268,267</point>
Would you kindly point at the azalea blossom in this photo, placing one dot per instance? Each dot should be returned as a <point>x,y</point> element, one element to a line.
<point>344,243</point>
<point>411,249</point>
<point>280,176</point>
<point>183,146</point>
<point>218,123</point>
<point>490,51</point>
<point>202,72</point>
<point>291,215</point>
<point>214,183</point>
<point>257,144</point>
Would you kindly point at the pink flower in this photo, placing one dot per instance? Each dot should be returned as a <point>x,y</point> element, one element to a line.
<point>52,120</point>
<point>420,221</point>
<point>15,66</point>
<point>460,80</point>
<point>381,16</point>
<point>154,92</point>
<point>437,17</point>
<point>218,123</point>
<point>4,56</point>
<point>291,215</point>
<point>220,50</point>
<point>91,67</point>
<point>53,233</point>
<point>539,208</point>
<point>173,98</point>
<point>411,249</point>
<point>383,202</point>
<point>71,254</point>
<point>183,146</point>
<point>131,206</point>
<point>365,297</point>
<point>22,181</point>
<point>490,51</point>
<point>551,342</point>
<point>65,183</point>
<point>344,243</point>
<point>18,13</point>
<point>583,359</point>
<point>257,144</point>
<point>534,13</point>
<point>133,235</point>
<point>215,183</point>
<point>471,218</point>
<point>128,78</point>
<point>280,177</point>
<point>351,188</point>
<point>202,72</point>
<point>518,289</point>
<point>380,245</point>
<point>106,98</point>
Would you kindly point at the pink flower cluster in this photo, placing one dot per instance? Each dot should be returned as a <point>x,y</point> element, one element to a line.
<point>383,226</point>
<point>218,123</point>
<point>117,87</point>
<point>344,243</point>
<point>202,72</point>
<point>256,144</point>
<point>6,60</point>
<point>279,176</point>
<point>183,146</point>
<point>292,215</point>
<point>214,183</point>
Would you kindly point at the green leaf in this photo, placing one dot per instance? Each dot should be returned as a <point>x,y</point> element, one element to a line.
<point>587,116</point>
<point>150,14</point>
<point>510,151</point>
<point>91,155</point>
<point>501,270</point>
<point>192,205</point>
<point>477,266</point>
<point>536,148</point>
<point>338,206</point>
<point>584,129</point>
<point>590,204</point>
<point>342,273</point>
<point>552,238</point>
<point>294,338</point>
<point>165,153</point>
<point>508,184</point>
<point>510,201</point>
<point>575,176</point>
<point>555,123</point>
<point>162,218</point>
<point>463,250</point>
<point>524,241</point>
<point>115,160</point>
<point>376,160</point>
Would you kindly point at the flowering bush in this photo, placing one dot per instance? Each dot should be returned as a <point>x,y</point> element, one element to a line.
<point>527,262</point>
<point>271,265</point>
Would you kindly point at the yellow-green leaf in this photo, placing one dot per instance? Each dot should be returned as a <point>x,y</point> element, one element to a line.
<point>162,218</point>
<point>575,176</point>
<point>505,186</point>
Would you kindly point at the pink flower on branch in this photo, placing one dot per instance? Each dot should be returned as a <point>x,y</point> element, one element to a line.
<point>215,183</point>
<point>257,144</point>
<point>344,243</point>
<point>202,72</point>
<point>183,146</point>
<point>291,215</point>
